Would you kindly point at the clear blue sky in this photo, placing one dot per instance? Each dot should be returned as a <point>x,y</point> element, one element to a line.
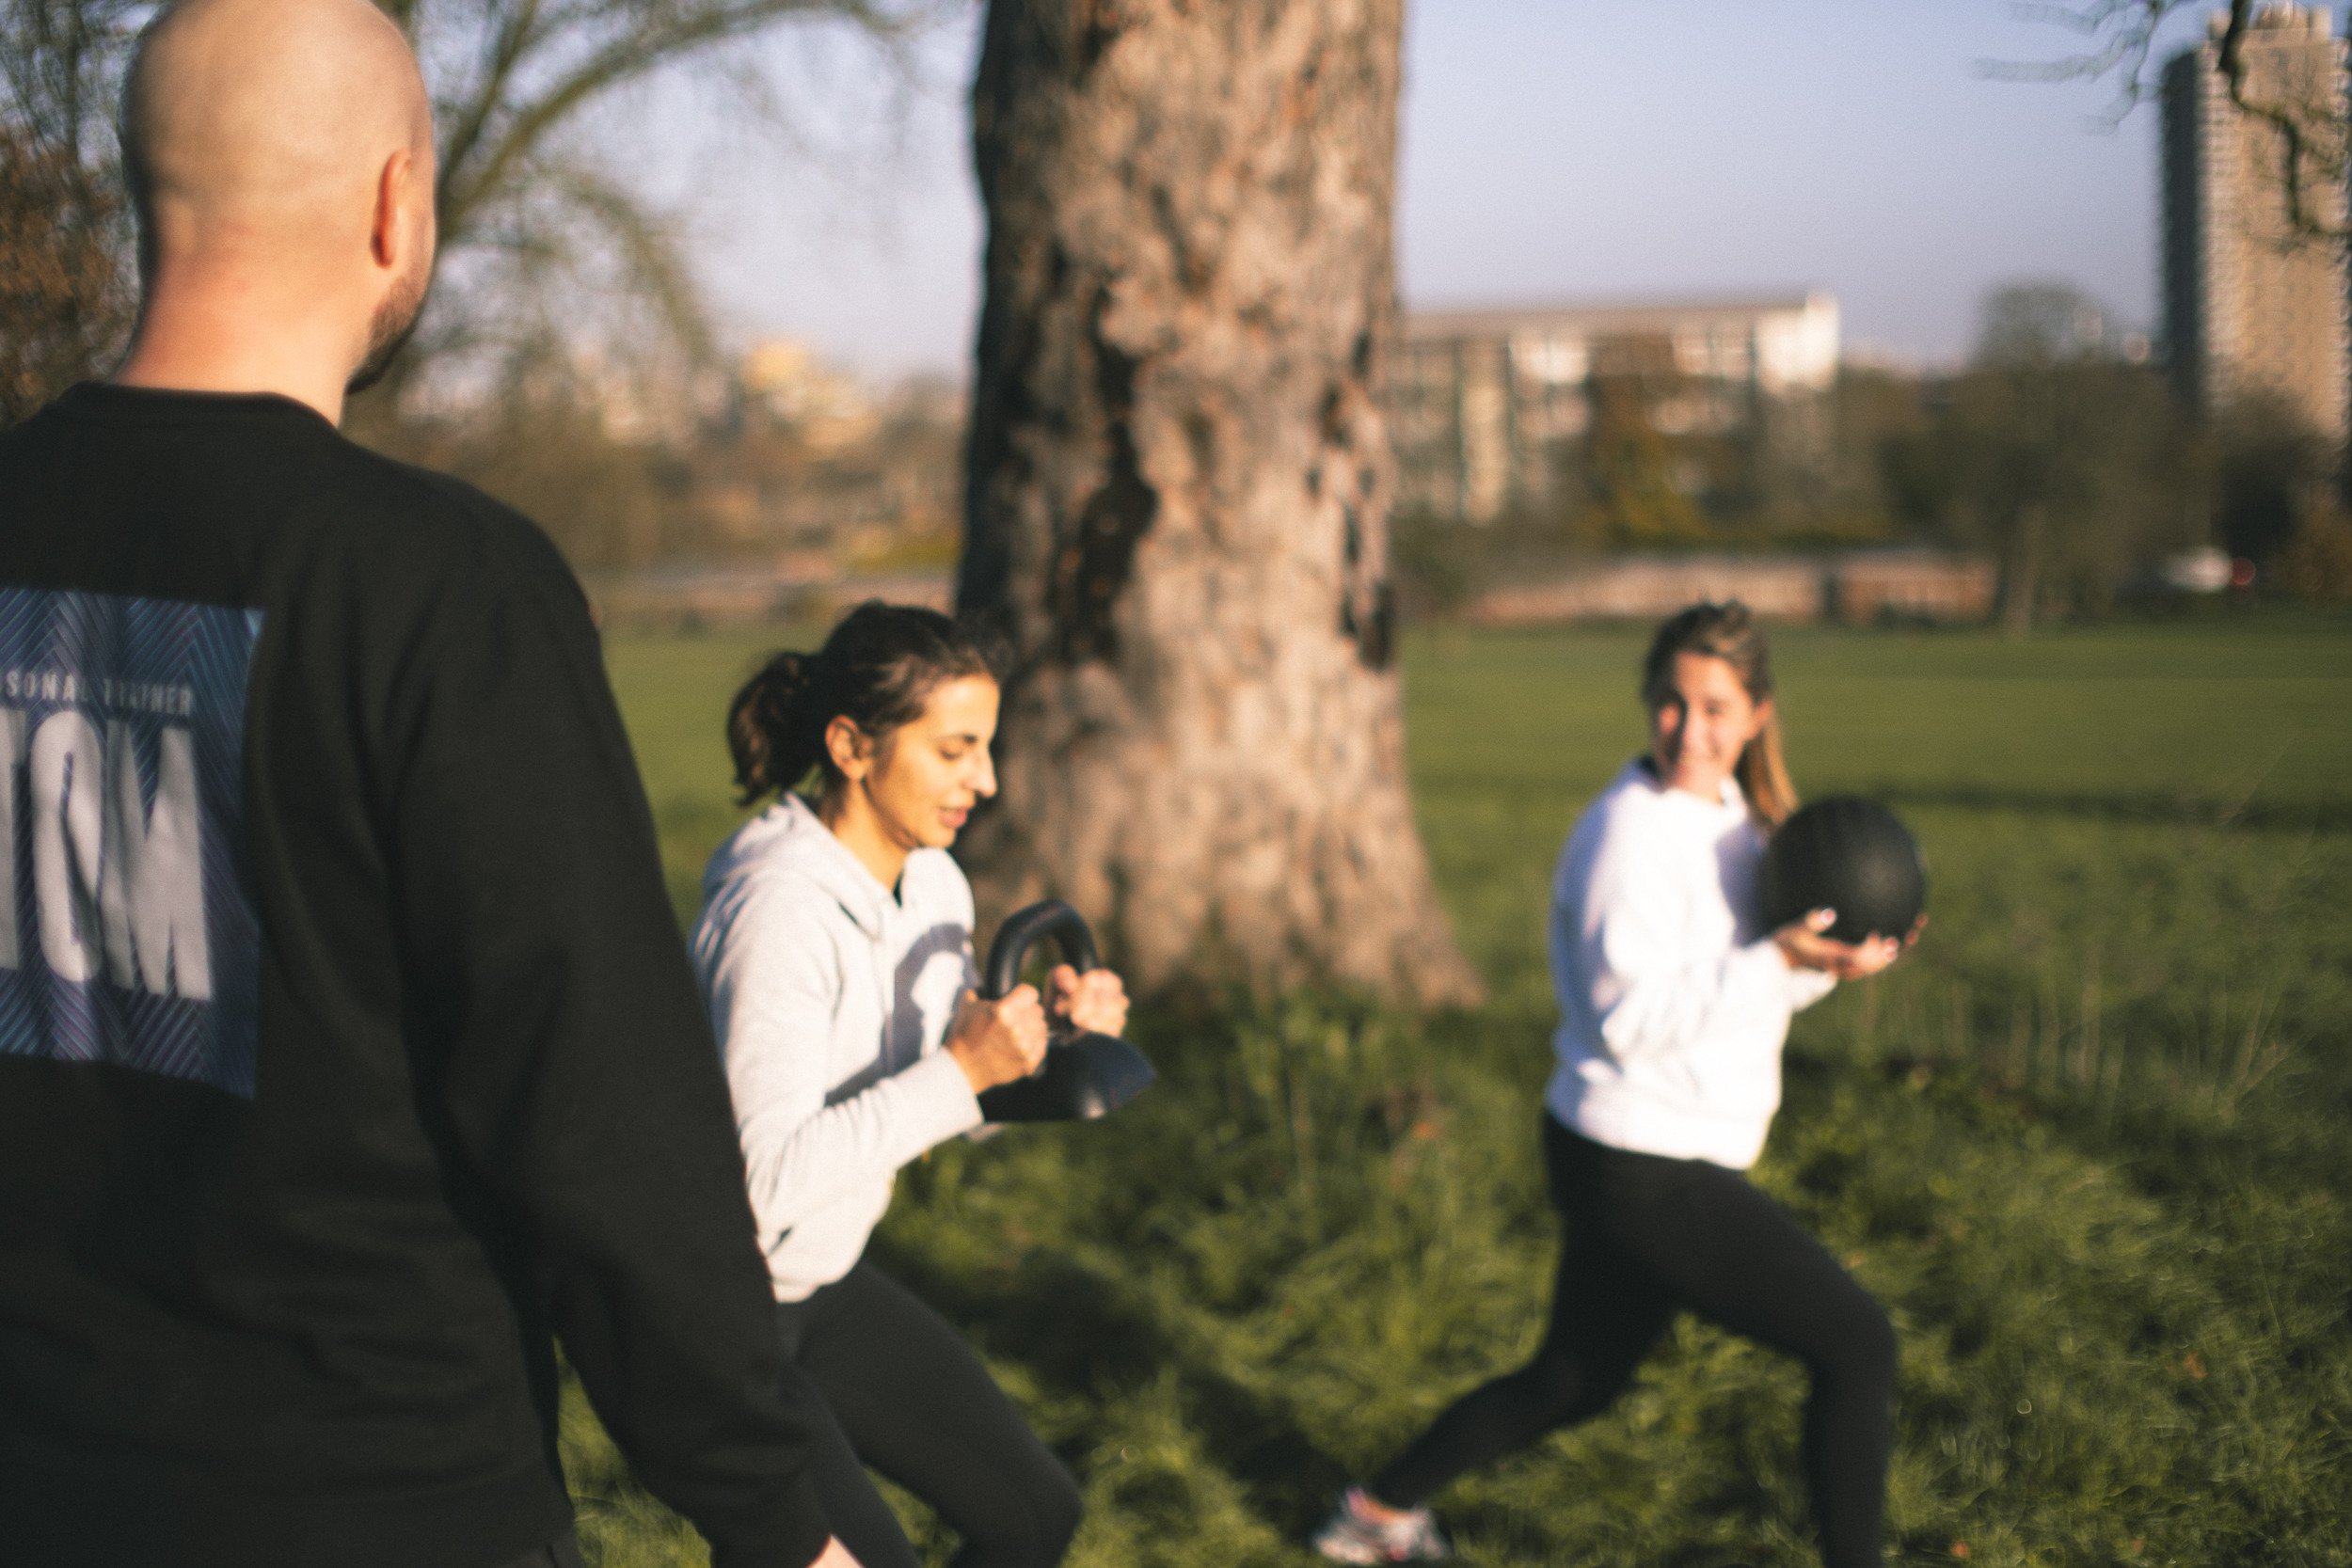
<point>1552,150</point>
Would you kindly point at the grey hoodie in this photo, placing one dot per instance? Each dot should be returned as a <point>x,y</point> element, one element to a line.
<point>830,998</point>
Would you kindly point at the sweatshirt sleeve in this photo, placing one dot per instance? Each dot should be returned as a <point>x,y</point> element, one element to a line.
<point>1808,985</point>
<point>775,979</point>
<point>563,1048</point>
<point>1619,937</point>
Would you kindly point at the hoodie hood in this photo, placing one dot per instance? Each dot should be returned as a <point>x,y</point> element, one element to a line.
<point>790,839</point>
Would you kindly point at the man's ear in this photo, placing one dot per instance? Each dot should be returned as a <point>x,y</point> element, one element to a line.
<point>404,219</point>
<point>384,240</point>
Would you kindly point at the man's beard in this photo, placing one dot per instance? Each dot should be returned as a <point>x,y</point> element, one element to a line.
<point>395,323</point>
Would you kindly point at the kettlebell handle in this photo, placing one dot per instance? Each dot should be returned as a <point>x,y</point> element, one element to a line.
<point>1022,928</point>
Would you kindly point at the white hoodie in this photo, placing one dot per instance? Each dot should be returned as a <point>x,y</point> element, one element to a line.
<point>830,998</point>
<point>1674,1006</point>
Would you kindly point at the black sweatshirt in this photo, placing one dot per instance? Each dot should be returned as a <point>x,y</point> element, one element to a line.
<point>348,1048</point>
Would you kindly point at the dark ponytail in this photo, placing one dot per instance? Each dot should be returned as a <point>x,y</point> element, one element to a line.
<point>876,670</point>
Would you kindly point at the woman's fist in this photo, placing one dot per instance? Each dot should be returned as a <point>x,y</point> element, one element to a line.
<point>1095,1001</point>
<point>997,1042</point>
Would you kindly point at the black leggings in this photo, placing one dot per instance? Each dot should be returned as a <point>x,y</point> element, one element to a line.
<point>1647,1236</point>
<point>892,1386</point>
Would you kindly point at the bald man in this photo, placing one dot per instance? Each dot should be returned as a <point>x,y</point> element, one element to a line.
<point>349,1054</point>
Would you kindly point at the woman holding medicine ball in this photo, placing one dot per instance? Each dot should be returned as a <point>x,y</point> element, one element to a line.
<point>834,950</point>
<point>1673,1011</point>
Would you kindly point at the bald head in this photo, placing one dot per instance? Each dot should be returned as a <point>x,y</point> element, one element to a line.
<point>270,112</point>
<point>279,152</point>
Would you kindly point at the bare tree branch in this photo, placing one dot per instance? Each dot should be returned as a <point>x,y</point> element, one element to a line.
<point>542,63</point>
<point>506,40</point>
<point>2313,136</point>
<point>522,202</point>
<point>527,213</point>
<point>2298,154</point>
<point>2128,28</point>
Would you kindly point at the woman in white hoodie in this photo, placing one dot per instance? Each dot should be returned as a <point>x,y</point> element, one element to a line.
<point>1674,1008</point>
<point>835,949</point>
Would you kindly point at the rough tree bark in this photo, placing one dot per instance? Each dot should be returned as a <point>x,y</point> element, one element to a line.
<point>1179,486</point>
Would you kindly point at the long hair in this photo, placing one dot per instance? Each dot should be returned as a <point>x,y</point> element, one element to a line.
<point>1727,631</point>
<point>876,670</point>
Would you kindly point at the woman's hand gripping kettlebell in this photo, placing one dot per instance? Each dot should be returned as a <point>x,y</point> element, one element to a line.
<point>999,1043</point>
<point>1095,1002</point>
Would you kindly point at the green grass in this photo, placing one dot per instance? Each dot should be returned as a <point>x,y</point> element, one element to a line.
<point>2088,1142</point>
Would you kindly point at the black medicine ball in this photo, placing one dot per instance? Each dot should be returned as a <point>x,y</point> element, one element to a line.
<point>1844,853</point>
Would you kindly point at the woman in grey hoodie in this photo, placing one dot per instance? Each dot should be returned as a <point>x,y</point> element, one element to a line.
<point>834,950</point>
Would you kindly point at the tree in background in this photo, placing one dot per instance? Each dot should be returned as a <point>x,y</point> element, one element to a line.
<point>2317,562</point>
<point>1872,411</point>
<point>1180,481</point>
<point>563,318</point>
<point>2277,491</point>
<point>545,239</point>
<point>544,440</point>
<point>2270,471</point>
<point>541,229</point>
<point>2314,143</point>
<point>65,293</point>
<point>2276,499</point>
<point>1634,489</point>
<point>2070,465</point>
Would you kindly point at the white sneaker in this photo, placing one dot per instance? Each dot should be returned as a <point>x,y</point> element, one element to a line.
<point>1353,1534</point>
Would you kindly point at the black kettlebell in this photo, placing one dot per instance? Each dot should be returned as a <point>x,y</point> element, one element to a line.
<point>1084,1075</point>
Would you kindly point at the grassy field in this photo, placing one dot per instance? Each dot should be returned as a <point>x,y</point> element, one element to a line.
<point>2090,1143</point>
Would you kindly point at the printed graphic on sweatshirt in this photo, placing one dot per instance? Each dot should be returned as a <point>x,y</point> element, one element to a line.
<point>125,935</point>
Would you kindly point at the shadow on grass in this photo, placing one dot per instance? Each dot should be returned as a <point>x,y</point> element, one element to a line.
<point>1088,1338</point>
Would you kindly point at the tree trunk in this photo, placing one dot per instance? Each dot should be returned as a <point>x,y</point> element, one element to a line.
<point>2021,571</point>
<point>1180,481</point>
